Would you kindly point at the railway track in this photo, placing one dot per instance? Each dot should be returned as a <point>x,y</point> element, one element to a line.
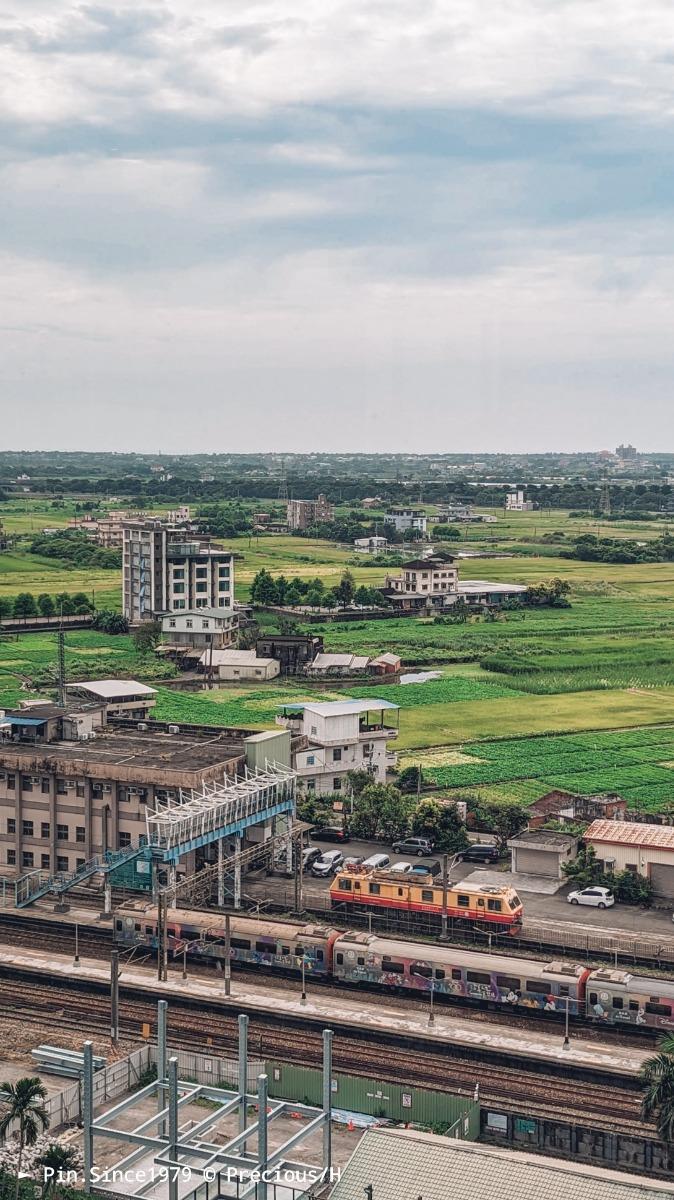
<point>531,1088</point>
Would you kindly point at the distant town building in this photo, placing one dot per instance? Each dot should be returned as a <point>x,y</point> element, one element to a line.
<point>406,519</point>
<point>627,453</point>
<point>121,697</point>
<point>199,628</point>
<point>433,583</point>
<point>646,850</point>
<point>515,502</point>
<point>232,665</point>
<point>292,650</point>
<point>325,665</point>
<point>303,513</point>
<point>163,572</point>
<point>371,502</point>
<point>370,545</point>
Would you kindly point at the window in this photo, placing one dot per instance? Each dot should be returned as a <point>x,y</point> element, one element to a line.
<point>79,790</point>
<point>27,858</point>
<point>375,889</point>
<point>336,784</point>
<point>80,833</point>
<point>319,956</point>
<point>631,867</point>
<point>439,974</point>
<point>201,572</point>
<point>27,828</point>
<point>178,572</point>
<point>478,977</point>
<point>311,760</point>
<point>463,901</point>
<point>345,885</point>
<point>361,962</point>
<point>172,623</point>
<point>311,785</point>
<point>264,948</point>
<point>62,833</point>
<point>124,839</point>
<point>285,949</point>
<point>534,985</point>
<point>337,755</point>
<point>427,894</point>
<point>201,587</point>
<point>660,1010</point>
<point>617,1002</point>
<point>240,943</point>
<point>11,825</point>
<point>79,863</point>
<point>395,968</point>
<point>11,783</point>
<point>45,862</point>
<point>179,589</point>
<point>509,982</point>
<point>456,973</point>
<point>11,858</point>
<point>44,786</point>
<point>189,623</point>
<point>340,959</point>
<point>205,624</point>
<point>61,787</point>
<point>634,1005</point>
<point>26,783</point>
<point>62,863</point>
<point>299,951</point>
<point>493,905</point>
<point>418,969</point>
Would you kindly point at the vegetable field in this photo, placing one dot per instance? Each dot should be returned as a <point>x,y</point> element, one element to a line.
<point>636,763</point>
<point>28,661</point>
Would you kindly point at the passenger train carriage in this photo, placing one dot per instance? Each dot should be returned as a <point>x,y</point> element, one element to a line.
<point>389,964</point>
<point>498,909</point>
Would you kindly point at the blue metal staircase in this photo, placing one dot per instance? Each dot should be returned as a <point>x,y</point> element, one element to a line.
<point>36,884</point>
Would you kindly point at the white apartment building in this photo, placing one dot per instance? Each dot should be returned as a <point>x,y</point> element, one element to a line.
<point>515,502</point>
<point>343,736</point>
<point>405,519</point>
<point>425,578</point>
<point>370,545</point>
<point>164,571</point>
<point>200,627</point>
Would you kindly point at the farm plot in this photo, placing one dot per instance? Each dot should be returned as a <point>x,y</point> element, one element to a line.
<point>633,763</point>
<point>28,661</point>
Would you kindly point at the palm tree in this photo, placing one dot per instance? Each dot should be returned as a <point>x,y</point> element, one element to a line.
<point>57,1158</point>
<point>657,1076</point>
<point>23,1103</point>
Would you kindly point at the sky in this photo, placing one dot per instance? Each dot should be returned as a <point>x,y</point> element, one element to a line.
<point>336,225</point>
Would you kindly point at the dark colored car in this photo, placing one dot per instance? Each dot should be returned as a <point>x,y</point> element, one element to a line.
<point>423,869</point>
<point>310,855</point>
<point>480,854</point>
<point>414,845</point>
<point>330,833</point>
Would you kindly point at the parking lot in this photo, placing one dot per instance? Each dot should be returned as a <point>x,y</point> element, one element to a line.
<point>624,917</point>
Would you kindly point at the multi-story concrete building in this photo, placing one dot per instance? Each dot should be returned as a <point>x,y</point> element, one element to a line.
<point>406,520</point>
<point>433,583</point>
<point>515,502</point>
<point>163,571</point>
<point>341,736</point>
<point>72,787</point>
<point>303,513</point>
<point>200,627</point>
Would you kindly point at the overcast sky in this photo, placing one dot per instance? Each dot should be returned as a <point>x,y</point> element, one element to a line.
<point>336,224</point>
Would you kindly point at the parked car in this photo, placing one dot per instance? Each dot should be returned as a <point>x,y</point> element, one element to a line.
<point>598,897</point>
<point>327,864</point>
<point>376,862</point>
<point>406,867</point>
<point>330,833</point>
<point>353,860</point>
<point>480,853</point>
<point>433,868</point>
<point>310,855</point>
<point>419,846</point>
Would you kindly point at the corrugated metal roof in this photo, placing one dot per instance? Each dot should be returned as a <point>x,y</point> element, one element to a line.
<point>387,658</point>
<point>342,708</point>
<point>112,688</point>
<point>403,1164</point>
<point>626,833</point>
<point>324,662</point>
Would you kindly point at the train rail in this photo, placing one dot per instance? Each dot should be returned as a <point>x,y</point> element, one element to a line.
<point>524,1087</point>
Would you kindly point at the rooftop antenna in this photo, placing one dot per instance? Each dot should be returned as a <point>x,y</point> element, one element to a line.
<point>605,497</point>
<point>283,483</point>
<point>61,653</point>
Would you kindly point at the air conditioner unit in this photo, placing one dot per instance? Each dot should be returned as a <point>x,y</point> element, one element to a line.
<point>133,791</point>
<point>84,737</point>
<point>70,783</point>
<point>174,729</point>
<point>35,779</point>
<point>141,725</point>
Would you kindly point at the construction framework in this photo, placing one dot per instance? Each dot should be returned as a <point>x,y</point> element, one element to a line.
<point>166,1152</point>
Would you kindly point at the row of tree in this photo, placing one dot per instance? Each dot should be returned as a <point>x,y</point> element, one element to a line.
<point>590,548</point>
<point>26,604</point>
<point>76,548</point>
<point>267,589</point>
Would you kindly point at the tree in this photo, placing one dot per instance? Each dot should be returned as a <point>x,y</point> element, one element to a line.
<point>263,589</point>
<point>24,605</point>
<point>6,607</point>
<point>411,779</point>
<point>504,820</point>
<point>380,811</point>
<point>442,824</point>
<point>363,597</point>
<point>82,602</point>
<point>657,1079</point>
<point>346,590</point>
<point>294,596</point>
<point>314,598</point>
<point>146,636</point>
<point>56,1159</point>
<point>45,605</point>
<point>584,869</point>
<point>64,604</point>
<point>358,781</point>
<point>23,1104</point>
<point>110,622</point>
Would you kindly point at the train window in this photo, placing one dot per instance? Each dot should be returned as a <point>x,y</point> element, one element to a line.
<point>344,885</point>
<point>393,967</point>
<point>319,956</point>
<point>513,904</point>
<point>374,889</point>
<point>264,948</point>
<point>339,959</point>
<point>617,1002</point>
<point>456,973</point>
<point>463,901</point>
<point>118,925</point>
<point>427,894</point>
<point>564,989</point>
<point>478,976</point>
<point>534,985</point>
<point>439,974</point>
<point>400,891</point>
<point>593,997</point>
<point>480,904</point>
<point>634,1005</point>
<point>240,943</point>
<point>510,982</point>
<point>299,950</point>
<point>149,928</point>
<point>660,1010</point>
<point>285,949</point>
<point>494,905</point>
<point>361,962</point>
<point>137,927</point>
<point>417,969</point>
<point>356,885</point>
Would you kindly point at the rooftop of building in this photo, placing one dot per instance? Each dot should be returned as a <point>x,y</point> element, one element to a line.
<point>543,839</point>
<point>109,689</point>
<point>154,749</point>
<point>234,658</point>
<point>624,833</point>
<point>403,1164</point>
<point>213,613</point>
<point>486,585</point>
<point>325,661</point>
<point>344,708</point>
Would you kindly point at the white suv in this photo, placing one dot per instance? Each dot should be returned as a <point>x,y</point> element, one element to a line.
<point>598,897</point>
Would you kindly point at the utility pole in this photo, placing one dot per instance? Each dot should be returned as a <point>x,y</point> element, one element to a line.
<point>228,955</point>
<point>114,996</point>
<point>445,886</point>
<point>76,960</point>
